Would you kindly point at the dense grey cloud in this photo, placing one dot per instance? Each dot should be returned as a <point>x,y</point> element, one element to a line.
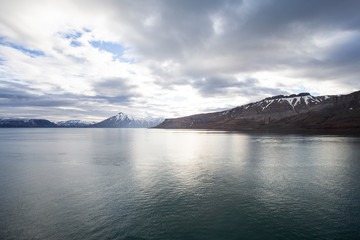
<point>20,98</point>
<point>207,49</point>
<point>14,94</point>
<point>223,86</point>
<point>208,38</point>
<point>115,90</point>
<point>182,26</point>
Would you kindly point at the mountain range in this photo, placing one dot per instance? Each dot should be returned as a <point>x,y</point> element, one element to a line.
<point>19,122</point>
<point>295,112</point>
<point>121,120</point>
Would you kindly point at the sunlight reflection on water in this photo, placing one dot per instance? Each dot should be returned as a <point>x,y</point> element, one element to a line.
<point>165,184</point>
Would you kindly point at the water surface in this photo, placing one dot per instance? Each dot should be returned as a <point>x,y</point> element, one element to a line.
<point>173,184</point>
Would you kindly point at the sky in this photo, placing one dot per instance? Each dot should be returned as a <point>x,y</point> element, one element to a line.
<point>89,59</point>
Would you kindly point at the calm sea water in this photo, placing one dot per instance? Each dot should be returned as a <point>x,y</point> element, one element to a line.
<point>167,184</point>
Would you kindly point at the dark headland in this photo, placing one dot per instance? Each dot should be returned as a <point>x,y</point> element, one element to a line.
<point>281,113</point>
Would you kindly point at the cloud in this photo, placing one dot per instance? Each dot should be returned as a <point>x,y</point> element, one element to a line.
<point>115,90</point>
<point>127,55</point>
<point>20,95</point>
<point>215,86</point>
<point>232,37</point>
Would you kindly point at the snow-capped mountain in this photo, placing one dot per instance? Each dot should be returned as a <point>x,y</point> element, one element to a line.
<point>122,120</point>
<point>297,111</point>
<point>277,107</point>
<point>74,123</point>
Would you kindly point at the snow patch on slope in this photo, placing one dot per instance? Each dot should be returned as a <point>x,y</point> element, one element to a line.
<point>124,120</point>
<point>292,100</point>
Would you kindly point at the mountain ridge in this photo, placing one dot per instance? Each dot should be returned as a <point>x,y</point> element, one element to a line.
<point>296,111</point>
<point>120,120</point>
<point>74,123</point>
<point>25,123</point>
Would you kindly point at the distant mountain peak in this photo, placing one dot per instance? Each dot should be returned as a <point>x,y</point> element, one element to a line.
<point>122,120</point>
<point>120,116</point>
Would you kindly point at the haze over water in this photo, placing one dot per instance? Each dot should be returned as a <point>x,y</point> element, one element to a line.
<point>173,184</point>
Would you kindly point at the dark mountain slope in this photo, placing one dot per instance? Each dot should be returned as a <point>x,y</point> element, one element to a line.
<point>16,123</point>
<point>301,111</point>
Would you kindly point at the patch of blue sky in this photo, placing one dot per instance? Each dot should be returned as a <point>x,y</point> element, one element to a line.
<point>127,60</point>
<point>75,44</point>
<point>73,35</point>
<point>116,49</point>
<point>30,52</point>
